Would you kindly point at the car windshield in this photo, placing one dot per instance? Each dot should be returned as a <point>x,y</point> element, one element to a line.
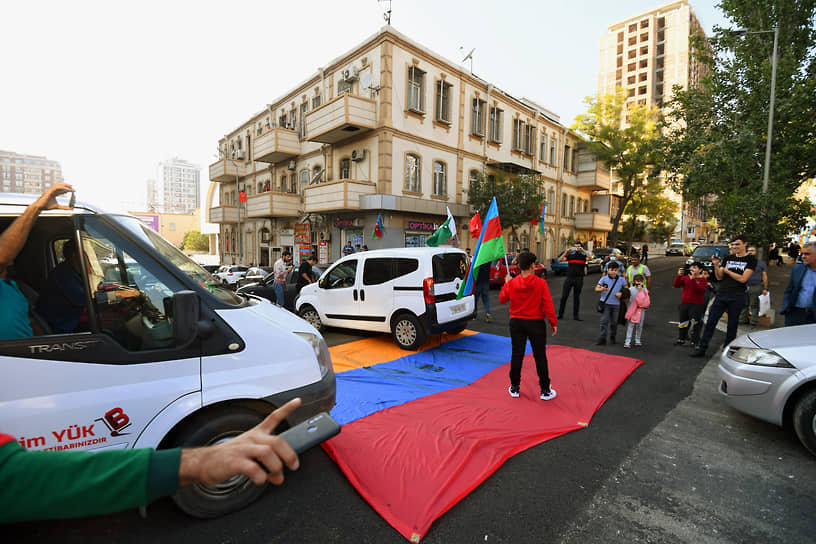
<point>677,245</point>
<point>150,238</point>
<point>708,251</point>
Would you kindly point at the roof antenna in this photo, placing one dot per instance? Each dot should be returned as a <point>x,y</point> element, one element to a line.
<point>386,5</point>
<point>468,56</point>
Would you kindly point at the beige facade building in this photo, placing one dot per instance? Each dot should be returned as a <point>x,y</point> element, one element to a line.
<point>647,55</point>
<point>394,130</point>
<point>172,226</point>
<point>31,174</point>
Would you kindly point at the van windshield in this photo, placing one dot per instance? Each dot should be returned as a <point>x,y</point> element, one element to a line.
<point>152,239</point>
<point>449,266</point>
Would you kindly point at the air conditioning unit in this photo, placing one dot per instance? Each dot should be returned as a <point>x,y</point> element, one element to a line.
<point>325,236</point>
<point>357,155</point>
<point>346,74</point>
<point>291,165</point>
<point>239,154</point>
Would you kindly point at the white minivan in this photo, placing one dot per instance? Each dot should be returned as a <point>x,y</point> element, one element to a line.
<point>409,292</point>
<point>156,353</point>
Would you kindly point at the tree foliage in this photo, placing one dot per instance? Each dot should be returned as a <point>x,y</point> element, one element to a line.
<point>649,201</point>
<point>518,198</point>
<point>629,151</point>
<point>716,135</point>
<point>195,241</point>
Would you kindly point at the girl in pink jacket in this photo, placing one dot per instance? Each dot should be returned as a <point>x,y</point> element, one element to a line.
<point>636,313</point>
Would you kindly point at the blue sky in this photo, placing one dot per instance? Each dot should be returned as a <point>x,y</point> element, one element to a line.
<point>109,89</point>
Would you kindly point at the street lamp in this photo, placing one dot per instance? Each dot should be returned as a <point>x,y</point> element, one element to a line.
<point>743,32</point>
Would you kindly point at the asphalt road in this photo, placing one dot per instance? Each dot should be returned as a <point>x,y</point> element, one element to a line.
<point>663,460</point>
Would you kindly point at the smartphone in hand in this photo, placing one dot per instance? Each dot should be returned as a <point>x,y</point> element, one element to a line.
<point>311,432</point>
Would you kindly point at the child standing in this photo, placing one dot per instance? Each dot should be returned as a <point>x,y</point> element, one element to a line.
<point>692,302</point>
<point>636,313</point>
<point>610,285</point>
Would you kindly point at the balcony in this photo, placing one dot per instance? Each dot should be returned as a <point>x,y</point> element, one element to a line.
<point>337,195</point>
<point>593,221</point>
<point>226,170</point>
<point>273,204</point>
<point>346,116</point>
<point>224,214</point>
<point>276,145</point>
<point>596,179</point>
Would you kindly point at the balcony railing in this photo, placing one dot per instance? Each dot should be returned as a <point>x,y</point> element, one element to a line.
<point>276,145</point>
<point>346,116</point>
<point>224,214</point>
<point>273,204</point>
<point>226,169</point>
<point>342,194</point>
<point>593,221</point>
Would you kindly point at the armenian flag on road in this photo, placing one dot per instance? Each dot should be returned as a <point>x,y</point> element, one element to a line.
<point>489,247</point>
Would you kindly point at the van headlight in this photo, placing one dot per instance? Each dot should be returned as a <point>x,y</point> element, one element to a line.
<point>758,356</point>
<point>321,350</point>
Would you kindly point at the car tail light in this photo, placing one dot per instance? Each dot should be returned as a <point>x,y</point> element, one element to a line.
<point>428,290</point>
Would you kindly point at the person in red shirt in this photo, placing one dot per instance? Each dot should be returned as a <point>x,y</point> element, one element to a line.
<point>531,306</point>
<point>692,302</point>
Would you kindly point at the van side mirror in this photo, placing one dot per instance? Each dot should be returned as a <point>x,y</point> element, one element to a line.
<point>186,315</point>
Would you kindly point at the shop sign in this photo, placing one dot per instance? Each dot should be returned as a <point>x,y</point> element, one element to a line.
<point>322,252</point>
<point>343,223</point>
<point>303,233</point>
<point>421,226</point>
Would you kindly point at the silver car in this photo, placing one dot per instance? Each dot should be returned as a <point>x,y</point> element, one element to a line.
<point>771,375</point>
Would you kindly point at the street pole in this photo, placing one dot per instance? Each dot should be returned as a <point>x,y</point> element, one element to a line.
<point>771,113</point>
<point>238,194</point>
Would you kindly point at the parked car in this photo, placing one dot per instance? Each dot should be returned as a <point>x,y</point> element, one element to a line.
<point>704,253</point>
<point>498,270</point>
<point>675,250</point>
<point>409,292</point>
<point>690,247</point>
<point>254,274</point>
<point>266,289</point>
<point>211,268</point>
<point>594,264</point>
<point>608,253</point>
<point>167,358</point>
<point>230,274</point>
<point>771,375</point>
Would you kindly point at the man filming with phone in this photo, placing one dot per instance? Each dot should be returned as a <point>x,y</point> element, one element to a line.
<point>576,258</point>
<point>732,271</point>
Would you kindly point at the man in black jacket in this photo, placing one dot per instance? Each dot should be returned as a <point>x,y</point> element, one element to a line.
<point>576,258</point>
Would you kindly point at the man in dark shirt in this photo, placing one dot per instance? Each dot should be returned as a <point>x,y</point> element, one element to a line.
<point>305,274</point>
<point>62,301</point>
<point>576,258</point>
<point>733,272</point>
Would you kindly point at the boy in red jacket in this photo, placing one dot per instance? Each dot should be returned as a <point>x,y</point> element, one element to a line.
<point>530,304</point>
<point>692,302</point>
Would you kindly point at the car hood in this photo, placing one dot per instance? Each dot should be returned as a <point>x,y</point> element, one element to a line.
<point>795,344</point>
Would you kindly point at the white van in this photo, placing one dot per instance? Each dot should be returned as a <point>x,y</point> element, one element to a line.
<point>158,353</point>
<point>409,292</point>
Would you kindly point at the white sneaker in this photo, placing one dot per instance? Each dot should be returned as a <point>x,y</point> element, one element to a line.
<point>549,395</point>
<point>627,345</point>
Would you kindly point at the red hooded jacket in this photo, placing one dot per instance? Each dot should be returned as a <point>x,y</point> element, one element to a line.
<point>529,298</point>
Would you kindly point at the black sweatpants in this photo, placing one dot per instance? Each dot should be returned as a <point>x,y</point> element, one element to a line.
<point>574,283</point>
<point>536,331</point>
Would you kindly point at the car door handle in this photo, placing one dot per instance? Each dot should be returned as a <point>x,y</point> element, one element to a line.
<point>355,295</point>
<point>362,295</point>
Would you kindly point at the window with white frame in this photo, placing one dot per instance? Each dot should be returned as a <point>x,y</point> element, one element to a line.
<point>316,101</point>
<point>566,157</point>
<point>304,180</point>
<point>550,202</point>
<point>416,90</point>
<point>412,178</point>
<point>440,183</point>
<point>477,117</point>
<point>563,205</point>
<point>345,168</point>
<point>553,153</point>
<point>304,107</point>
<point>443,92</point>
<point>293,183</point>
<point>519,129</point>
<point>496,119</point>
<point>543,151</point>
<point>529,140</point>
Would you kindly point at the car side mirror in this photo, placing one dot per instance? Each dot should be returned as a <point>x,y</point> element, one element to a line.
<point>187,322</point>
<point>322,283</point>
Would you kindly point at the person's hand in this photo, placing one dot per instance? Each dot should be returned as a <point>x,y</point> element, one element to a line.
<point>554,331</point>
<point>48,200</point>
<point>248,454</point>
<point>680,271</point>
<point>507,278</point>
<point>618,294</point>
<point>715,259</point>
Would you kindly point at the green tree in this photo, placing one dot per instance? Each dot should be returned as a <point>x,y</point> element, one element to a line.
<point>195,241</point>
<point>716,135</point>
<point>649,202</point>
<point>629,151</point>
<point>518,199</point>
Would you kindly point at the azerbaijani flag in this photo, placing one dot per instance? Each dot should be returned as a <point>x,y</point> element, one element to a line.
<point>378,228</point>
<point>489,247</point>
<point>541,221</point>
<point>443,233</point>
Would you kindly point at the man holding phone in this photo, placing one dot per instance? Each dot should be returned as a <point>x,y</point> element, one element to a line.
<point>576,258</point>
<point>281,268</point>
<point>732,271</point>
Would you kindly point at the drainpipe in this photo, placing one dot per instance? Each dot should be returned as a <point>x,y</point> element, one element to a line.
<point>484,140</point>
<point>559,188</point>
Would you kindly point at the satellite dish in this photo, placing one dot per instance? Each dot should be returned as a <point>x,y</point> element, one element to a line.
<point>367,80</point>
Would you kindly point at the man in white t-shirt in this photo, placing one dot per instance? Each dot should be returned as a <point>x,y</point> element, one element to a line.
<point>280,269</point>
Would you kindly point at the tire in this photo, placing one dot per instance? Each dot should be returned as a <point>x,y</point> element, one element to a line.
<point>210,501</point>
<point>804,420</point>
<point>408,332</point>
<point>310,315</point>
<point>457,330</point>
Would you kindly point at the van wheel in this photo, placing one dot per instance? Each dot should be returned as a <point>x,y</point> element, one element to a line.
<point>408,332</point>
<point>804,420</point>
<point>213,500</point>
<point>310,315</point>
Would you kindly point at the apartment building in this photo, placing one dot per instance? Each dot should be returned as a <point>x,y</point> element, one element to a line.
<point>175,189</point>
<point>32,174</point>
<point>647,54</point>
<point>394,130</point>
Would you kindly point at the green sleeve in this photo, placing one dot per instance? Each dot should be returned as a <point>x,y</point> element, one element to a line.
<point>59,484</point>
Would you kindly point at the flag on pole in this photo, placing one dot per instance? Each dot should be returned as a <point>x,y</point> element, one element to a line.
<point>475,226</point>
<point>242,196</point>
<point>541,220</point>
<point>443,233</point>
<point>378,228</point>
<point>489,247</point>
